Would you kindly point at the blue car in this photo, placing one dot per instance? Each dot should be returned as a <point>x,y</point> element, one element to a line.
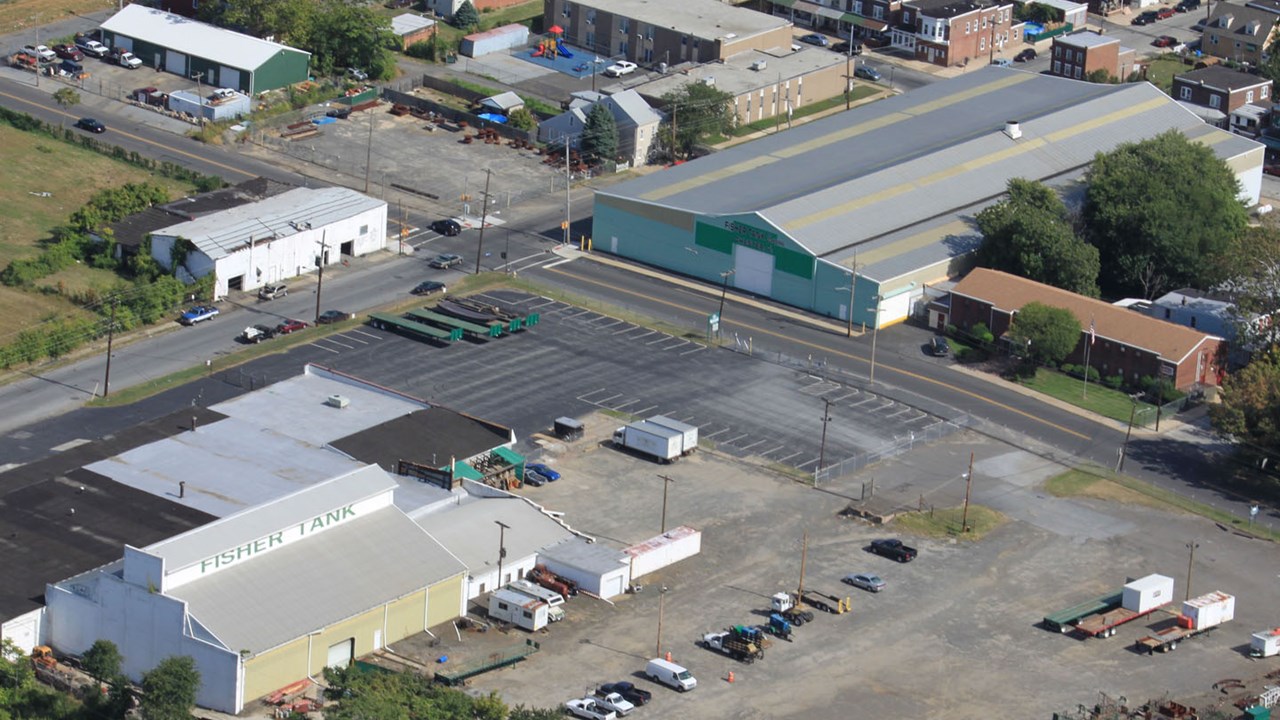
<point>538,468</point>
<point>199,313</point>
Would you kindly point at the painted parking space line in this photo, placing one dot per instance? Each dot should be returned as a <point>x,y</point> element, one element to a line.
<point>368,335</point>
<point>748,447</point>
<point>851,393</point>
<point>772,450</point>
<point>586,397</point>
<point>784,459</point>
<point>633,328</point>
<point>618,408</point>
<point>900,412</point>
<point>699,348</point>
<point>716,433</point>
<point>664,338</point>
<point>682,343</point>
<point>346,336</point>
<point>335,342</point>
<point>810,461</point>
<point>734,440</point>
<point>645,410</point>
<point>605,400</point>
<point>335,352</point>
<point>577,314</point>
<point>615,323</point>
<point>549,301</point>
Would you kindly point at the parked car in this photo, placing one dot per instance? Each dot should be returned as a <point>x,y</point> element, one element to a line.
<point>620,68</point>
<point>589,709</point>
<point>40,51</point>
<point>1002,62</point>
<point>332,316</point>
<point>842,47</point>
<point>866,72</point>
<point>444,261</point>
<point>357,74</point>
<point>257,333</point>
<point>342,112</point>
<point>446,227</point>
<point>124,58</point>
<point>815,39</point>
<point>1145,18</point>
<point>870,583</point>
<point>197,314</point>
<point>534,478</point>
<point>91,125</point>
<point>939,347</point>
<point>289,326</point>
<point>543,470</point>
<point>1187,6</point>
<point>893,549</point>
<point>429,287</point>
<point>1165,41</point>
<point>1164,13</point>
<point>1026,55</point>
<point>634,695</point>
<point>271,292</point>
<point>68,52</point>
<point>91,47</point>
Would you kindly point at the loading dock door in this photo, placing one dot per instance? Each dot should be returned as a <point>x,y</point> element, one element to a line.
<point>229,78</point>
<point>175,63</point>
<point>341,654</point>
<point>753,270</point>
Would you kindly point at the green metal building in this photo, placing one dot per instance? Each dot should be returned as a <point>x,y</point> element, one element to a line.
<point>208,55</point>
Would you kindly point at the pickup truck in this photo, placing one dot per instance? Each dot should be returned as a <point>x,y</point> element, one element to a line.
<point>124,58</point>
<point>590,709</point>
<point>92,47</point>
<point>40,51</point>
<point>894,550</point>
<point>197,314</point>
<point>257,333</point>
<point>613,701</point>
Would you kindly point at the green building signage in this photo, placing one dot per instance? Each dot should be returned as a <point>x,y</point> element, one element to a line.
<point>722,238</point>
<point>250,549</point>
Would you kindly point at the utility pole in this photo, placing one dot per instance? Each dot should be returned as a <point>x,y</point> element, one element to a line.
<point>111,333</point>
<point>368,156</point>
<point>484,216</point>
<point>502,549</point>
<point>875,332</point>
<point>568,183</point>
<point>666,483</point>
<point>1190,563</point>
<point>662,602</point>
<point>848,78</point>
<point>822,449</point>
<point>673,134</point>
<point>804,555</point>
<point>1124,449</point>
<point>968,486</point>
<point>324,255</point>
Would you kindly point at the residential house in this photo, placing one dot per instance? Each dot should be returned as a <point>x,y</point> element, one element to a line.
<point>1238,33</point>
<point>956,32</point>
<point>637,122</point>
<point>1081,54</point>
<point>697,31</point>
<point>1240,96</point>
<point>1119,341</point>
<point>861,19</point>
<point>446,8</point>
<point>1073,13</point>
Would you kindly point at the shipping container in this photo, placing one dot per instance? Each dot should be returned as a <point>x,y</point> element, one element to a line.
<point>1209,610</point>
<point>1148,593</point>
<point>666,549</point>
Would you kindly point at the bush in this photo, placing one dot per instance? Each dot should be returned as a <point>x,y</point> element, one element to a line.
<point>1115,382</point>
<point>982,334</point>
<point>423,50</point>
<point>1067,368</point>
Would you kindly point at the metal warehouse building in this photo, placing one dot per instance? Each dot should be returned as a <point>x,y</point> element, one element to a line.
<point>208,54</point>
<point>887,192</point>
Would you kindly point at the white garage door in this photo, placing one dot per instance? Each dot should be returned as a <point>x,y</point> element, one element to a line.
<point>613,585</point>
<point>895,308</point>
<point>175,62</point>
<point>342,654</point>
<point>228,78</point>
<point>753,270</point>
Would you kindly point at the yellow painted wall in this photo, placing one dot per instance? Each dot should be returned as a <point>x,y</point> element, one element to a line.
<point>405,617</point>
<point>444,600</point>
<point>271,671</point>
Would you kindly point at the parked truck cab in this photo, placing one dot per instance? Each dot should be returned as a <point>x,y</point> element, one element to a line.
<point>670,674</point>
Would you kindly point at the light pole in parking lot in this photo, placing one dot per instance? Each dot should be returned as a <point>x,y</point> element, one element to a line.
<point>724,289</point>
<point>662,602</point>
<point>484,216</point>
<point>875,331</point>
<point>666,483</point>
<point>968,486</point>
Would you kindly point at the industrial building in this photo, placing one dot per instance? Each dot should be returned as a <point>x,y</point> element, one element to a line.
<point>206,54</point>
<point>853,215</point>
<point>274,239</point>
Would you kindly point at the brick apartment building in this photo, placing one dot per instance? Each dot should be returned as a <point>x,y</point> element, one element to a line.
<point>956,32</point>
<point>1076,56</point>
<point>1221,88</point>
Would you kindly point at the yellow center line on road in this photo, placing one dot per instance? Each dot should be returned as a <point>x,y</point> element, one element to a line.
<point>882,367</point>
<point>131,136</point>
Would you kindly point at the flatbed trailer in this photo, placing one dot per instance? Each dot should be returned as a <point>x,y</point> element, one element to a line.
<point>1167,640</point>
<point>386,321</point>
<point>825,602</point>
<point>1064,621</point>
<point>1105,624</point>
<point>487,330</point>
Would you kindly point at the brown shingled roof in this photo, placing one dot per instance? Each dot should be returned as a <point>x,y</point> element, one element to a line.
<point>1009,293</point>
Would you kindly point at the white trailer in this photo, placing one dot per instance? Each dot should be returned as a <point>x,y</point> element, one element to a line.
<point>518,609</point>
<point>553,599</point>
<point>688,433</point>
<point>1265,643</point>
<point>655,441</point>
<point>1199,615</point>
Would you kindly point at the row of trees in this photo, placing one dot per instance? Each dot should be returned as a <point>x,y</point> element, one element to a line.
<point>389,695</point>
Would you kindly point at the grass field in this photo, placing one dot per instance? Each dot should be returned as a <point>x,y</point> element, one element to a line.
<point>20,14</point>
<point>1100,399</point>
<point>1160,71</point>
<point>945,522</point>
<point>70,175</point>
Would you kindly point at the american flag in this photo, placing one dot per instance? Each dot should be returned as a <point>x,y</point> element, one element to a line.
<point>1093,335</point>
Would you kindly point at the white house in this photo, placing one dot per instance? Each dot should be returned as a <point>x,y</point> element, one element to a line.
<point>637,122</point>
<point>271,240</point>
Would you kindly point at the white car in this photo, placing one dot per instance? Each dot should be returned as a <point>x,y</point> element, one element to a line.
<point>589,709</point>
<point>620,68</point>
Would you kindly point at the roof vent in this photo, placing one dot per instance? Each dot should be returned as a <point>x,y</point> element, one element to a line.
<point>759,65</point>
<point>1012,129</point>
<point>337,401</point>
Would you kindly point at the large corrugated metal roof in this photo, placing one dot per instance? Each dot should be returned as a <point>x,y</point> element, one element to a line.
<point>701,18</point>
<point>223,233</point>
<point>190,37</point>
<point>470,530</point>
<point>334,575</point>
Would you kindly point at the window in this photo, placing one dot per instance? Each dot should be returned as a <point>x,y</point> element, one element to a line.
<point>364,229</point>
<point>1079,57</point>
<point>1193,321</point>
<point>1264,92</point>
<point>591,38</point>
<point>503,606</point>
<point>648,34</point>
<point>857,7</point>
<point>591,16</point>
<point>877,12</point>
<point>568,10</point>
<point>1167,313</point>
<point>1215,101</point>
<point>982,44</point>
<point>1057,67</point>
<point>1076,75</point>
<point>527,614</point>
<point>624,26</point>
<point>1248,96</point>
<point>1184,92</point>
<point>967,29</point>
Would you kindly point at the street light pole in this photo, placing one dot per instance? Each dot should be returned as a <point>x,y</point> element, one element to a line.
<point>324,255</point>
<point>111,333</point>
<point>484,217</point>
<point>502,548</point>
<point>968,486</point>
<point>666,483</point>
<point>1190,562</point>
<point>822,448</point>
<point>724,289</point>
<point>662,602</point>
<point>875,331</point>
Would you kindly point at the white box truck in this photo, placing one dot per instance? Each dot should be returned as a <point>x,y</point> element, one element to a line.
<point>688,433</point>
<point>553,599</point>
<point>663,444</point>
<point>518,609</point>
<point>1265,643</point>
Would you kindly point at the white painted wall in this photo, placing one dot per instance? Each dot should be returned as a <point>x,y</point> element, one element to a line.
<point>487,576</point>
<point>606,585</point>
<point>26,630</point>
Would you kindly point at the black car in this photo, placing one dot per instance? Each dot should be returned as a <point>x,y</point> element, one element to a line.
<point>843,48</point>
<point>939,347</point>
<point>91,125</point>
<point>1146,18</point>
<point>629,692</point>
<point>444,261</point>
<point>341,113</point>
<point>430,287</point>
<point>1025,56</point>
<point>446,227</point>
<point>332,316</point>
<point>1187,6</point>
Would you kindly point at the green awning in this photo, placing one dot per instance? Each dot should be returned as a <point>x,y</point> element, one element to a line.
<point>463,470</point>
<point>511,456</point>
<point>863,22</point>
<point>784,3</point>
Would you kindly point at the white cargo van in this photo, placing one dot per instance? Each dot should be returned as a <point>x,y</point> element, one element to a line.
<point>670,674</point>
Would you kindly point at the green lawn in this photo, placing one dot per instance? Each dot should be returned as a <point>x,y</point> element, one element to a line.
<point>1099,398</point>
<point>1160,71</point>
<point>860,91</point>
<point>946,522</point>
<point>529,13</point>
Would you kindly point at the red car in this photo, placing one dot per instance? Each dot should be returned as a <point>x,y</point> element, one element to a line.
<point>1165,41</point>
<point>68,52</point>
<point>289,326</point>
<point>1165,13</point>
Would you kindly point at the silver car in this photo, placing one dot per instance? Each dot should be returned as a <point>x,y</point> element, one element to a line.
<point>871,583</point>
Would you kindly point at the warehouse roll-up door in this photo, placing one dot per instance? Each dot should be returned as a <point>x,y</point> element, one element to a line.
<point>753,270</point>
<point>175,62</point>
<point>228,78</point>
<point>342,654</point>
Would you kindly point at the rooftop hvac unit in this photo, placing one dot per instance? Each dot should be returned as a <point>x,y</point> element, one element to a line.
<point>709,81</point>
<point>759,65</point>
<point>337,401</point>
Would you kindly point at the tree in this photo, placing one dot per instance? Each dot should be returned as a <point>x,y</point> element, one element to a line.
<point>350,35</point>
<point>1270,67</point>
<point>290,21</point>
<point>600,134</point>
<point>1156,210</point>
<point>522,119</point>
<point>1099,77</point>
<point>66,97</point>
<point>1049,334</point>
<point>169,690</point>
<point>1029,233</point>
<point>102,660</point>
<point>1250,407</point>
<point>1252,268</point>
<point>466,17</point>
<point>694,111</point>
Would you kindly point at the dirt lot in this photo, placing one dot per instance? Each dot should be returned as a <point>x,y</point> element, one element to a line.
<point>955,634</point>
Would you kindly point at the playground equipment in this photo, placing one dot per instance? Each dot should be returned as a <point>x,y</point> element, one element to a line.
<point>552,46</point>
